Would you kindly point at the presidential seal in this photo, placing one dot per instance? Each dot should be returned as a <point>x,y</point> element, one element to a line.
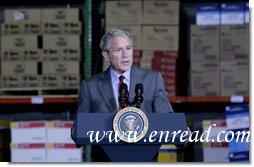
<point>130,124</point>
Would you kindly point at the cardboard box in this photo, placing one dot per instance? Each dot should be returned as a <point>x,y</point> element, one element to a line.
<point>215,152</point>
<point>32,28</point>
<point>165,67</point>
<point>61,41</point>
<point>237,117</point>
<point>61,54</point>
<point>235,77</point>
<point>123,12</point>
<point>60,15</point>
<point>11,28</point>
<point>22,15</point>
<point>205,79</point>
<point>208,14</point>
<point>19,42</point>
<point>160,38</point>
<point>234,42</point>
<point>72,28</point>
<point>21,55</point>
<point>60,67</point>
<point>51,54</point>
<point>204,43</point>
<point>10,54</point>
<point>28,132</point>
<point>135,32</point>
<point>20,82</point>
<point>18,67</point>
<point>62,152</point>
<point>232,13</point>
<point>51,28</point>
<point>161,12</point>
<point>67,81</point>
<point>59,132</point>
<point>71,54</point>
<point>62,28</point>
<point>20,28</point>
<point>28,152</point>
<point>217,126</point>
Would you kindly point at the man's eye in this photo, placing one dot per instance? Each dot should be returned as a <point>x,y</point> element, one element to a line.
<point>128,48</point>
<point>118,50</point>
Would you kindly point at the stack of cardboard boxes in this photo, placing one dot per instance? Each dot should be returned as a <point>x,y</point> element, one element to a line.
<point>20,51</point>
<point>238,122</point>
<point>154,26</point>
<point>43,141</point>
<point>61,48</point>
<point>219,55</point>
<point>40,49</point>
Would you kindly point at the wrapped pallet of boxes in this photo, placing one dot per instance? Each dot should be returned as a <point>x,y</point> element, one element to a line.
<point>28,140</point>
<point>238,121</point>
<point>214,151</point>
<point>60,146</point>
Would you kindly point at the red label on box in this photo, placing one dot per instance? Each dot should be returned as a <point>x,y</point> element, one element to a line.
<point>166,54</point>
<point>219,144</point>
<point>64,145</point>
<point>31,124</point>
<point>63,124</point>
<point>31,145</point>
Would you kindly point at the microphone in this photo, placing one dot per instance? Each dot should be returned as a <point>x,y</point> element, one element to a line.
<point>138,99</point>
<point>123,96</point>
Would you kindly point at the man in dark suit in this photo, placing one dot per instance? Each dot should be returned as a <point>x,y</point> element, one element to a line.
<point>100,92</point>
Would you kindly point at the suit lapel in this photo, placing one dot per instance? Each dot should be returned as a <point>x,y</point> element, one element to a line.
<point>107,92</point>
<point>135,77</point>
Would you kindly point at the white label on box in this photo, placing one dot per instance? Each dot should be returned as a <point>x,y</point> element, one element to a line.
<point>215,154</point>
<point>239,122</point>
<point>64,155</point>
<point>247,13</point>
<point>232,14</point>
<point>236,99</point>
<point>37,100</point>
<point>208,18</point>
<point>18,16</point>
<point>208,15</point>
<point>28,152</point>
<point>59,135</point>
<point>28,135</point>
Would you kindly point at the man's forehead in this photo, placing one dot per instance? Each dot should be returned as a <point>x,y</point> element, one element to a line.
<point>117,38</point>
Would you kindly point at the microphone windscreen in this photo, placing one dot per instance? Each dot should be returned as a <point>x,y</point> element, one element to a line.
<point>139,87</point>
<point>123,87</point>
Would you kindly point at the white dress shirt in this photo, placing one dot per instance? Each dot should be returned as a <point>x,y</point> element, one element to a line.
<point>115,82</point>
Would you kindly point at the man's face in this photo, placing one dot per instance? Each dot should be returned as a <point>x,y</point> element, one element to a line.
<point>120,54</point>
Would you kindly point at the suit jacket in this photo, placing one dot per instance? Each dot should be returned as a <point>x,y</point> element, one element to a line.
<point>96,95</point>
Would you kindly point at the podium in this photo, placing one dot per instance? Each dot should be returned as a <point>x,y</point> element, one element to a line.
<point>141,151</point>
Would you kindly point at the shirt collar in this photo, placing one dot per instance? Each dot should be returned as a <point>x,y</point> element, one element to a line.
<point>115,76</point>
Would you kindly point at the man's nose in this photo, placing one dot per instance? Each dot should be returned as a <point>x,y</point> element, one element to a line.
<point>124,53</point>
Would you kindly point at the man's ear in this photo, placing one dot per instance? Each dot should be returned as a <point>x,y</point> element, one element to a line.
<point>105,56</point>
